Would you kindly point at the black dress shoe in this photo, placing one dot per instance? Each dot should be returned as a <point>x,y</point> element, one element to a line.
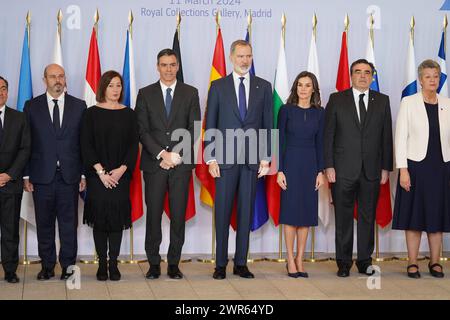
<point>220,273</point>
<point>435,273</point>
<point>174,272</point>
<point>154,272</point>
<point>414,275</point>
<point>343,272</point>
<point>114,273</point>
<point>303,274</point>
<point>243,272</point>
<point>11,277</point>
<point>102,272</point>
<point>65,275</point>
<point>364,269</point>
<point>45,274</point>
<point>291,274</point>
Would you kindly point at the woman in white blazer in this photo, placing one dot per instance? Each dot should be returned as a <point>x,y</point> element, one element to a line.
<point>422,151</point>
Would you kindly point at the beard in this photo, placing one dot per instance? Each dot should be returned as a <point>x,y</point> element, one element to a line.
<point>242,70</point>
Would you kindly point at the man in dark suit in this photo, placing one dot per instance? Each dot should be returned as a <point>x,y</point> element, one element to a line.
<point>54,171</point>
<point>358,158</point>
<point>14,154</point>
<point>166,106</point>
<point>239,106</point>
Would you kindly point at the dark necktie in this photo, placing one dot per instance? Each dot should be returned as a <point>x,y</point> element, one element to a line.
<point>168,101</point>
<point>242,99</point>
<point>1,127</point>
<point>56,121</point>
<point>362,109</point>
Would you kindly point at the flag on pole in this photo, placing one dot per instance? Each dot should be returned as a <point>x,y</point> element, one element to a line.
<point>93,71</point>
<point>343,75</point>
<point>260,212</point>
<point>57,49</point>
<point>129,100</point>
<point>190,207</point>
<point>443,86</point>
<point>280,96</point>
<point>218,70</point>
<point>410,86</point>
<point>324,201</point>
<point>25,93</point>
<point>383,214</point>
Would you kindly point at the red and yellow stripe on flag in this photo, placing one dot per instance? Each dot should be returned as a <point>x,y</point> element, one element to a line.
<point>218,70</point>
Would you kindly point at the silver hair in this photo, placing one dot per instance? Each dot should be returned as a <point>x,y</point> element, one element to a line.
<point>428,64</point>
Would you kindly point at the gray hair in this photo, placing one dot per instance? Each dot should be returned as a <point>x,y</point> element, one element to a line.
<point>428,64</point>
<point>239,43</point>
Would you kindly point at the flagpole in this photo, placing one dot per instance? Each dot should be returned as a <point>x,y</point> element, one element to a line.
<point>280,258</point>
<point>312,256</point>
<point>26,260</point>
<point>94,259</point>
<point>213,231</point>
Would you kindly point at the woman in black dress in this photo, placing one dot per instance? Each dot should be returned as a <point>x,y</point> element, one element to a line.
<point>300,123</point>
<point>109,146</point>
<point>422,143</point>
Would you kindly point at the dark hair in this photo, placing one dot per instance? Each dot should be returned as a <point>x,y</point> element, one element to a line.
<point>104,82</point>
<point>364,61</point>
<point>315,97</point>
<point>239,42</point>
<point>166,52</point>
<point>6,82</point>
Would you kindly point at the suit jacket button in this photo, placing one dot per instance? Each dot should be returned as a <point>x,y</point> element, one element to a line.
<point>167,133</point>
<point>167,147</point>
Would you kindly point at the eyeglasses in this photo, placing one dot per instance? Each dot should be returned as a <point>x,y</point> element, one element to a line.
<point>54,77</point>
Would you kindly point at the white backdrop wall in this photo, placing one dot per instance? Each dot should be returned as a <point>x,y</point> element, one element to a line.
<point>154,26</point>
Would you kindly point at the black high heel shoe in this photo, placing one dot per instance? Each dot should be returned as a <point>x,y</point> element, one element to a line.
<point>414,275</point>
<point>293,274</point>
<point>434,273</point>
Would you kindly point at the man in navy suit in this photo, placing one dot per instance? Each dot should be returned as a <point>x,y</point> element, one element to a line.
<point>54,171</point>
<point>14,154</point>
<point>239,106</point>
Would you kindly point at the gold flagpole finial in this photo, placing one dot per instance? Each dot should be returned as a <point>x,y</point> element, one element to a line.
<point>314,24</point>
<point>28,18</point>
<point>283,28</point>
<point>178,19</point>
<point>218,17</point>
<point>96,16</point>
<point>249,18</point>
<point>412,25</point>
<point>130,22</point>
<point>445,24</point>
<point>59,18</point>
<point>346,22</point>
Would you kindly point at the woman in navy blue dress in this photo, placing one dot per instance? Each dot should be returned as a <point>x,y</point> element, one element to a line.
<point>422,143</point>
<point>300,124</point>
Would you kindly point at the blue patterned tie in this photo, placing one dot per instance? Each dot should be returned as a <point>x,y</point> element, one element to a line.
<point>242,99</point>
<point>168,102</point>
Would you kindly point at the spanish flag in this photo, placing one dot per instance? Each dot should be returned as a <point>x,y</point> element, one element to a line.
<point>218,70</point>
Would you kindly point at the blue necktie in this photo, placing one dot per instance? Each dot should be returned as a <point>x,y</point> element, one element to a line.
<point>56,121</point>
<point>168,102</point>
<point>242,99</point>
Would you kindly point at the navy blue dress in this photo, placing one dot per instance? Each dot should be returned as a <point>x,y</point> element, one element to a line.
<point>301,159</point>
<point>426,207</point>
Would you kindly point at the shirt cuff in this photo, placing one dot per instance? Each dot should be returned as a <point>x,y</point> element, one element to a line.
<point>209,161</point>
<point>158,157</point>
<point>26,177</point>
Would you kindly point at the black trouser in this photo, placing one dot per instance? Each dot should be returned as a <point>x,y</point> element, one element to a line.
<point>345,192</point>
<point>102,239</point>
<point>9,228</point>
<point>56,200</point>
<point>156,185</point>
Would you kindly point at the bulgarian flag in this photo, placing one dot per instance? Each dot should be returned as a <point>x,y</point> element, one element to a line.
<point>280,96</point>
<point>129,99</point>
<point>93,71</point>
<point>218,70</point>
<point>190,206</point>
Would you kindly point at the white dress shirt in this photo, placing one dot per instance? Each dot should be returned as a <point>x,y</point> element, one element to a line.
<point>246,82</point>
<point>2,115</point>
<point>51,106</point>
<point>356,94</point>
<point>164,92</point>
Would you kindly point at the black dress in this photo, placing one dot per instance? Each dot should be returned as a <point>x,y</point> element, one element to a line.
<point>108,137</point>
<point>426,207</point>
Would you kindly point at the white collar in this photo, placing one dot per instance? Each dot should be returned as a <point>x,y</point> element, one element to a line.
<point>164,87</point>
<point>60,98</point>
<point>237,76</point>
<point>356,92</point>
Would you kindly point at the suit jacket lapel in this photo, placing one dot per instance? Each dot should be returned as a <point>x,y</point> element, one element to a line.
<point>175,102</point>
<point>66,113</point>
<point>370,107</point>
<point>352,105</point>
<point>159,102</point>
<point>252,95</point>
<point>232,93</point>
<point>44,112</point>
<point>6,127</point>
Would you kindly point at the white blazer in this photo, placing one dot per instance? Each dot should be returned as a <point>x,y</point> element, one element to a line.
<point>412,129</point>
